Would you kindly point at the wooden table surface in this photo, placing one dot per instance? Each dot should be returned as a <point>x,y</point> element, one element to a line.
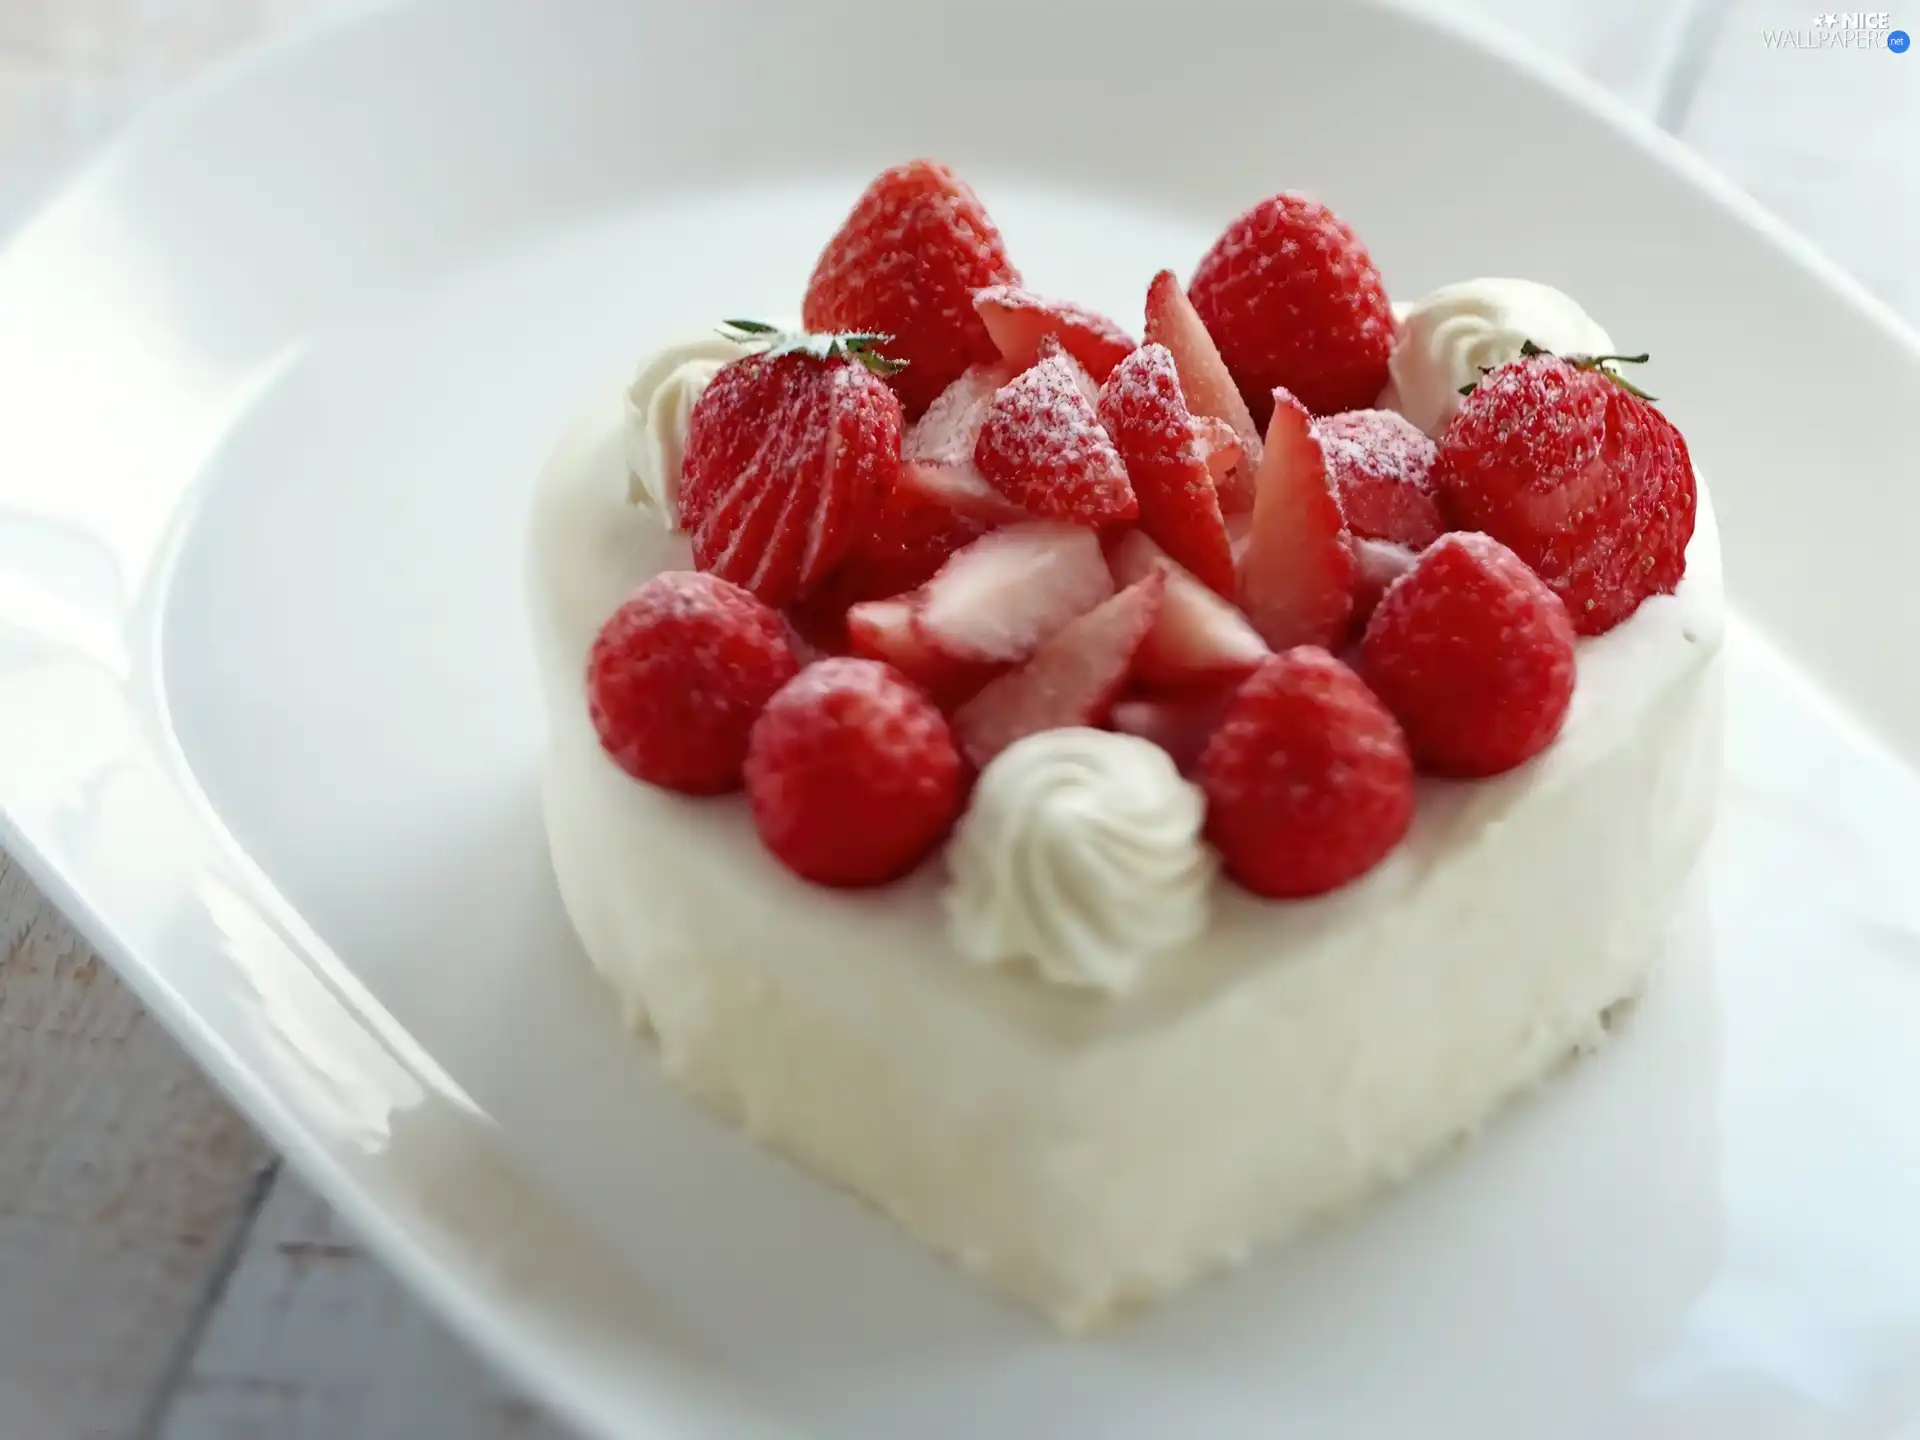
<point>159,1274</point>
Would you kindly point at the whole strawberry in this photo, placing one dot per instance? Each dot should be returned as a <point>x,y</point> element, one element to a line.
<point>1473,654</point>
<point>1293,300</point>
<point>905,264</point>
<point>1307,778</point>
<point>1579,476</point>
<point>789,455</point>
<point>678,675</point>
<point>853,774</point>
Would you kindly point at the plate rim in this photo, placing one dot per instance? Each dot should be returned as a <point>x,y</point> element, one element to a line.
<point>435,1256</point>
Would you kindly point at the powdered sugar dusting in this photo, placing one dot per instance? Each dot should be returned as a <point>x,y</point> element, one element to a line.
<point>946,434</point>
<point>1009,590</point>
<point>1043,447</point>
<point>1379,443</point>
<point>1071,679</point>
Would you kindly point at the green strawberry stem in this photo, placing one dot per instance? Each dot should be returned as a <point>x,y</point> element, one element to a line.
<point>1601,363</point>
<point>858,346</point>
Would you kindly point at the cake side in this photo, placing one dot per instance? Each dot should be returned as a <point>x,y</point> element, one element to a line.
<point>1082,1154</point>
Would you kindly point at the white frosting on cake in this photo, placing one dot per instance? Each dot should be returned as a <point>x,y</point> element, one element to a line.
<point>659,403</point>
<point>1088,1151</point>
<point>1080,851</point>
<point>1448,338</point>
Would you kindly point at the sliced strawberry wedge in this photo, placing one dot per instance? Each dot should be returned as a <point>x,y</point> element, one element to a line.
<point>1050,346</point>
<point>1070,680</point>
<point>1199,639</point>
<point>1239,532</point>
<point>1209,389</point>
<point>1220,449</point>
<point>1180,724</point>
<point>1142,410</point>
<point>1043,447</point>
<point>1009,590</point>
<point>1376,565</point>
<point>1019,319</point>
<point>961,489</point>
<point>1296,577</point>
<point>887,630</point>
<point>936,453</point>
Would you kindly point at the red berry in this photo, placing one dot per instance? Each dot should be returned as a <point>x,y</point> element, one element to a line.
<point>1224,454</point>
<point>1296,572</point>
<point>853,774</point>
<point>1199,638</point>
<point>1146,417</point>
<point>889,630</point>
<point>677,677</point>
<point>1042,446</point>
<point>936,453</point>
<point>911,538</point>
<point>1376,565</point>
<point>1381,466</point>
<point>1000,597</point>
<point>1293,300</point>
<point>905,263</point>
<point>1307,778</point>
<point>1019,319</point>
<point>1474,656</point>
<point>1208,387</point>
<point>1589,484</point>
<point>1072,679</point>
<point>1180,723</point>
<point>788,457</point>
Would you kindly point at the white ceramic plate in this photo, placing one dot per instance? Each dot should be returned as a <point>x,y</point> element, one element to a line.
<point>274,380</point>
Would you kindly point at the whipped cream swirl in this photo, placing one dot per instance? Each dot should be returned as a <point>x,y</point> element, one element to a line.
<point>1081,854</point>
<point>1448,338</point>
<point>659,402</point>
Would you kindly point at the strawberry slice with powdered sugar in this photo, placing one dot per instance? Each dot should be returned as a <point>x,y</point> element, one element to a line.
<point>1205,382</point>
<point>936,453</point>
<point>1042,446</point>
<point>1019,320</point>
<point>1220,449</point>
<point>1381,469</point>
<point>888,630</point>
<point>1009,590</point>
<point>1199,638</point>
<point>1143,412</point>
<point>1072,679</point>
<point>1296,577</point>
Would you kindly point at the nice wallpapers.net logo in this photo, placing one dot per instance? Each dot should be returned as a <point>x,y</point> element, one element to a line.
<point>1843,30</point>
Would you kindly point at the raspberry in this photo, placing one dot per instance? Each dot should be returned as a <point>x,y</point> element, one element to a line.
<point>853,774</point>
<point>677,677</point>
<point>1473,654</point>
<point>1307,778</point>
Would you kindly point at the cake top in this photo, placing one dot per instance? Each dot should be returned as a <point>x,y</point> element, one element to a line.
<point>1105,621</point>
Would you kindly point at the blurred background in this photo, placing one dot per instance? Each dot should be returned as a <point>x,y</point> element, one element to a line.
<point>159,1276</point>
